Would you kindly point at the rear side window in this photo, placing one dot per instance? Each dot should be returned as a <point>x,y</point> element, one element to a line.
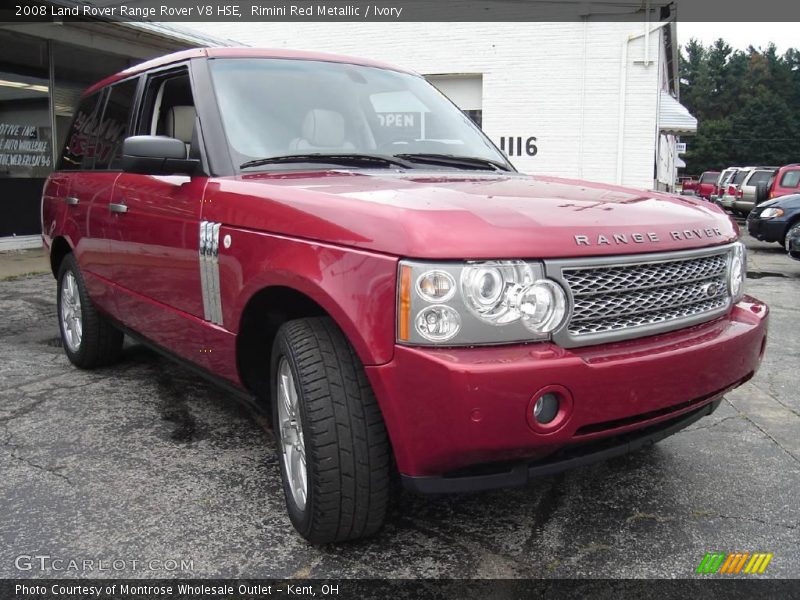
<point>739,178</point>
<point>79,149</point>
<point>790,179</point>
<point>115,125</point>
<point>759,177</point>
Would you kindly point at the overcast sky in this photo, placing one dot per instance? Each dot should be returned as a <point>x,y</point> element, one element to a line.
<point>741,35</point>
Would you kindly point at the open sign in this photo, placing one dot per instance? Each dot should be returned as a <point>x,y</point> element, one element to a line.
<point>398,119</point>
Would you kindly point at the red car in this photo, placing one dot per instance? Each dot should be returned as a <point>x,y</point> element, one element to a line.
<point>707,184</point>
<point>786,181</point>
<point>332,240</point>
<point>687,184</point>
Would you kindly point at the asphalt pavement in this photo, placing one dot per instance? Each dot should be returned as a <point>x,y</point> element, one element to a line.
<point>146,465</point>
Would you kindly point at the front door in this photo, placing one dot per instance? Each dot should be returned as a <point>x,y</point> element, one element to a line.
<point>156,244</point>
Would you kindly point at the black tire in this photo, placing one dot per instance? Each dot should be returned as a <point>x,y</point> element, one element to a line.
<point>345,440</point>
<point>101,343</point>
<point>792,231</point>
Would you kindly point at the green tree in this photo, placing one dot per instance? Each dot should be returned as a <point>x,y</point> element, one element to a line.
<point>747,105</point>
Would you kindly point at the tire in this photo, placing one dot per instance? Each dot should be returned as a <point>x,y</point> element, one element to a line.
<point>347,472</point>
<point>99,343</point>
<point>791,232</point>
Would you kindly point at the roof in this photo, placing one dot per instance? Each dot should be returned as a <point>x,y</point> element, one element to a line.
<point>238,52</point>
<point>674,118</point>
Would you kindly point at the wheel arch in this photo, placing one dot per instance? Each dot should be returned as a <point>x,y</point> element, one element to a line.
<point>269,306</point>
<point>263,314</point>
<point>59,248</point>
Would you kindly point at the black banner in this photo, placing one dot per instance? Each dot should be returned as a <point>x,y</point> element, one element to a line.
<point>399,589</point>
<point>398,10</point>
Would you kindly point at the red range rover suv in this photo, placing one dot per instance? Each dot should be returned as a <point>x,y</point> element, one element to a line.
<point>336,243</point>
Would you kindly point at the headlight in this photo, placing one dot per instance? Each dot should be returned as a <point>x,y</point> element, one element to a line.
<point>737,271</point>
<point>480,302</point>
<point>771,213</point>
<point>491,289</point>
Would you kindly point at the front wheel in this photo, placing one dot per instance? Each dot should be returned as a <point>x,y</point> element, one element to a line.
<point>333,445</point>
<point>89,339</point>
<point>791,233</point>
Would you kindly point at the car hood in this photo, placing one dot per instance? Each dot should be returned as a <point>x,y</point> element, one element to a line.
<point>788,201</point>
<point>465,215</point>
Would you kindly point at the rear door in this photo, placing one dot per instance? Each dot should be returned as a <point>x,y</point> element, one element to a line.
<point>155,248</point>
<point>86,194</point>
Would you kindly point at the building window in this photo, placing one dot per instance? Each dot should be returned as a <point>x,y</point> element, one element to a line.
<point>476,115</point>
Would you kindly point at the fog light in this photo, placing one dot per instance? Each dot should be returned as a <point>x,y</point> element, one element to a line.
<point>546,408</point>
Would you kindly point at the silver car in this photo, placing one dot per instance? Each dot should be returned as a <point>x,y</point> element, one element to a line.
<point>746,194</point>
<point>722,182</point>
<point>729,192</point>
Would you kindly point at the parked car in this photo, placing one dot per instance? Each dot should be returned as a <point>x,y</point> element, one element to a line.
<point>774,219</point>
<point>747,194</point>
<point>793,243</point>
<point>722,181</point>
<point>398,299</point>
<point>706,184</point>
<point>687,185</point>
<point>786,181</point>
<point>731,189</point>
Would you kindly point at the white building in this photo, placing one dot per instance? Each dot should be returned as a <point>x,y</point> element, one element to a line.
<point>585,99</point>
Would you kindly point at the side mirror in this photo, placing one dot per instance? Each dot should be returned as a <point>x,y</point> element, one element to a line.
<point>157,155</point>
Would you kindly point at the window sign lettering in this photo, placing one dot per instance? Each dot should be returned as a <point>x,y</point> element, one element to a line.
<point>24,150</point>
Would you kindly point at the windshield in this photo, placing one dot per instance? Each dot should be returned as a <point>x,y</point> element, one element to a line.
<point>280,107</point>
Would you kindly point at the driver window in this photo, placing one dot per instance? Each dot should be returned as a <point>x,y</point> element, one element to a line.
<point>168,108</point>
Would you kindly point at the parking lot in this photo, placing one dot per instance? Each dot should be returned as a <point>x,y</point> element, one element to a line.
<point>144,462</point>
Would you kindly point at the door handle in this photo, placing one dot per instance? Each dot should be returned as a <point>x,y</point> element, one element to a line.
<point>117,208</point>
<point>71,200</point>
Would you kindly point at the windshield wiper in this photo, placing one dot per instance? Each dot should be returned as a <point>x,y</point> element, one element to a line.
<point>455,161</point>
<point>336,159</point>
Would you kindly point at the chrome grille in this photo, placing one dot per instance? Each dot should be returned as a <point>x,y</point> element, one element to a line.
<point>627,297</point>
<point>643,276</point>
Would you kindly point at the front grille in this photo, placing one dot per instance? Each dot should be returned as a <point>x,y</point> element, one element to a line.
<point>642,295</point>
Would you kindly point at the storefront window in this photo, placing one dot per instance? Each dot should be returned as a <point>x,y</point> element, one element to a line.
<point>29,109</point>
<point>25,132</point>
<point>26,150</point>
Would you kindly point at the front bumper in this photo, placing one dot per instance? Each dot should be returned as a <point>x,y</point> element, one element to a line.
<point>570,457</point>
<point>766,230</point>
<point>451,411</point>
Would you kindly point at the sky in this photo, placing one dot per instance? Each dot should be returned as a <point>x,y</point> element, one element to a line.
<point>741,35</point>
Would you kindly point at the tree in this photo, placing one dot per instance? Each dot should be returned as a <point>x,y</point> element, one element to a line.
<point>747,105</point>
